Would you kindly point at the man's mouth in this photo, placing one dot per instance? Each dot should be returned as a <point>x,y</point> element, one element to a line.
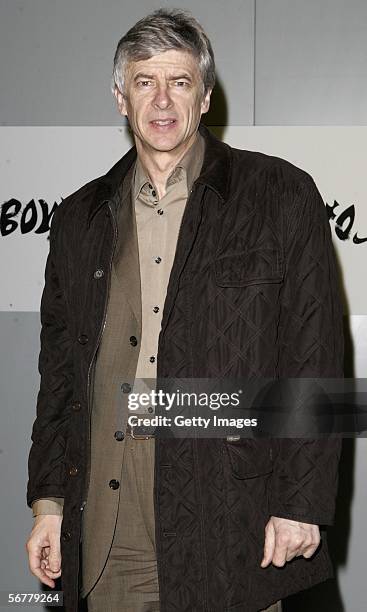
<point>163,122</point>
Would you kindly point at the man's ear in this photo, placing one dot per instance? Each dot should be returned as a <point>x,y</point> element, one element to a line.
<point>121,102</point>
<point>205,104</point>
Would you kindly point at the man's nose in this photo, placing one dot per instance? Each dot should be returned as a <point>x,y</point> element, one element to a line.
<point>161,97</point>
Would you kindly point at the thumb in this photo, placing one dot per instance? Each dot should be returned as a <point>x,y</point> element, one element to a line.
<point>54,558</point>
<point>269,545</point>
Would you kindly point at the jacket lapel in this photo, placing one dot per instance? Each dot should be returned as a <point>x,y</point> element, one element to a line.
<point>126,259</point>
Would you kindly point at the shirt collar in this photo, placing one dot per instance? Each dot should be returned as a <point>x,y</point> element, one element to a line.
<point>216,173</point>
<point>188,168</point>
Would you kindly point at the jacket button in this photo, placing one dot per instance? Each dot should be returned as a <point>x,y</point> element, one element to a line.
<point>126,388</point>
<point>160,211</point>
<point>114,484</point>
<point>76,406</point>
<point>156,309</point>
<point>119,435</point>
<point>73,470</point>
<point>98,273</point>
<point>133,341</point>
<point>83,339</point>
<point>152,359</point>
<point>66,536</point>
<point>158,260</point>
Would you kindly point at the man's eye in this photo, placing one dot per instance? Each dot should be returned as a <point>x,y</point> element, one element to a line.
<point>143,83</point>
<point>181,83</point>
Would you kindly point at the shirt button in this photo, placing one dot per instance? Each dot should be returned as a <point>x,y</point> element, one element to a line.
<point>114,484</point>
<point>154,193</point>
<point>133,341</point>
<point>83,339</point>
<point>73,470</point>
<point>119,435</point>
<point>152,359</point>
<point>156,309</point>
<point>76,406</point>
<point>126,387</point>
<point>98,273</point>
<point>150,186</point>
<point>158,260</point>
<point>160,211</point>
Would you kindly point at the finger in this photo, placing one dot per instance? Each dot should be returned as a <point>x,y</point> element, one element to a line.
<point>314,544</point>
<point>52,575</point>
<point>297,547</point>
<point>292,553</point>
<point>281,550</point>
<point>34,561</point>
<point>42,577</point>
<point>309,551</point>
<point>35,551</point>
<point>48,571</point>
<point>269,545</point>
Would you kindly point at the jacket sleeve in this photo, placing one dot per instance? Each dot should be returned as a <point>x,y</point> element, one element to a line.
<point>46,468</point>
<point>305,477</point>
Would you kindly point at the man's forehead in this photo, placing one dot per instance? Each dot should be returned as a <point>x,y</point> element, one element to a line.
<point>171,61</point>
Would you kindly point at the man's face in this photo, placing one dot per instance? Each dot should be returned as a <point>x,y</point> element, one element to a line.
<point>163,100</point>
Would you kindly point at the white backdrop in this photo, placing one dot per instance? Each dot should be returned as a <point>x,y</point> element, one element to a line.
<point>51,162</point>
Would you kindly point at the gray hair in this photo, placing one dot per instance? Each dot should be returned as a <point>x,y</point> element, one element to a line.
<point>161,31</point>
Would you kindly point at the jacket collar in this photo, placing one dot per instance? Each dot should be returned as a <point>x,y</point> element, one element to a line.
<point>217,165</point>
<point>215,172</point>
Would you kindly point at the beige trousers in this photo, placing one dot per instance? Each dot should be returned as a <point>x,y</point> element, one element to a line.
<point>129,581</point>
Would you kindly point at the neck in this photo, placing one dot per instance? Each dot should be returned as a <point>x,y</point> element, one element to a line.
<point>158,165</point>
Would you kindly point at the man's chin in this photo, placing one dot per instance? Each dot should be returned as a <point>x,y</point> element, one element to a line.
<point>163,144</point>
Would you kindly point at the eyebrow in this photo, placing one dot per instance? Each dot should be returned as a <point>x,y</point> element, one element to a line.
<point>142,75</point>
<point>184,75</point>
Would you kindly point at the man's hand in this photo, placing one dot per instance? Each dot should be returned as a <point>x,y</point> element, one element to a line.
<point>285,539</point>
<point>43,548</point>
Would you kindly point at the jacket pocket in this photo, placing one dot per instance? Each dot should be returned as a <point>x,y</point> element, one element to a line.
<point>251,267</point>
<point>249,458</point>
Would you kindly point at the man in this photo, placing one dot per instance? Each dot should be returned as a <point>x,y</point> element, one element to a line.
<point>188,259</point>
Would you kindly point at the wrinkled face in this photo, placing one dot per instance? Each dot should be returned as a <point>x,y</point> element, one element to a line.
<point>163,100</point>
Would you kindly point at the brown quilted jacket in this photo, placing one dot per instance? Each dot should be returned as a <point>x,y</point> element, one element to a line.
<point>253,292</point>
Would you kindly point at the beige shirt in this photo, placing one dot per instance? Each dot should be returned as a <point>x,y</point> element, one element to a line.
<point>158,223</point>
